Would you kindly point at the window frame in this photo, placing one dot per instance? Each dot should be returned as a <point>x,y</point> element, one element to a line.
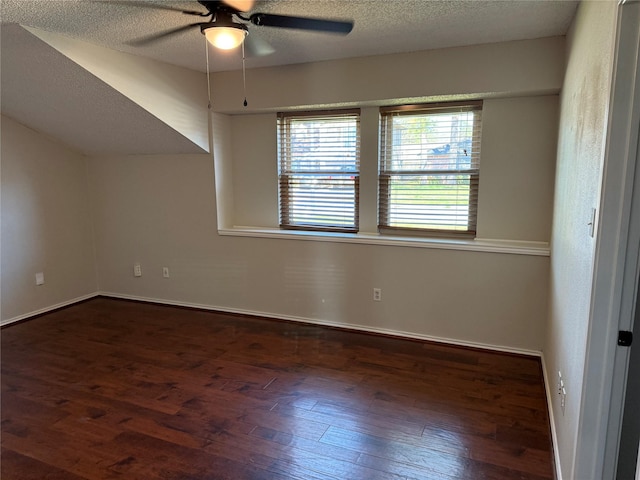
<point>385,175</point>
<point>286,175</point>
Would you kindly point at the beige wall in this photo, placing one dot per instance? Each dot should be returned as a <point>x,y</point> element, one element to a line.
<point>519,138</point>
<point>160,211</point>
<point>165,211</point>
<point>526,67</point>
<point>254,170</point>
<point>46,223</point>
<point>518,81</point>
<point>221,147</point>
<point>584,111</point>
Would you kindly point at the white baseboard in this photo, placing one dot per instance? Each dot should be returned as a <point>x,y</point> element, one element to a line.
<point>314,321</point>
<point>554,436</point>
<point>327,323</point>
<point>48,309</point>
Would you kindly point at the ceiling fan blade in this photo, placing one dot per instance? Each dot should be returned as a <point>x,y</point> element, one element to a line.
<point>233,5</point>
<point>240,5</point>
<point>160,35</point>
<point>155,6</point>
<point>256,46</point>
<point>302,23</point>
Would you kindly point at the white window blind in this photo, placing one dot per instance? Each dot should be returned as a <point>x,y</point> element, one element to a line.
<point>430,169</point>
<point>319,169</point>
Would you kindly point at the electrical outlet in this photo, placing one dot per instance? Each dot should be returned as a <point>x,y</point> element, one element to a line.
<point>377,294</point>
<point>165,272</point>
<point>562,391</point>
<point>39,278</point>
<point>560,383</point>
<point>137,270</point>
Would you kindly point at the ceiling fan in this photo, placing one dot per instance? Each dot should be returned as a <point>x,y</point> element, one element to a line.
<point>228,25</point>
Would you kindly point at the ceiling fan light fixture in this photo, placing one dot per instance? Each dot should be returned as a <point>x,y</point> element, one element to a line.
<point>226,37</point>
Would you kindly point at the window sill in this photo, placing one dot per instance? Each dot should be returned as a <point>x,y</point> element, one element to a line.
<point>515,247</point>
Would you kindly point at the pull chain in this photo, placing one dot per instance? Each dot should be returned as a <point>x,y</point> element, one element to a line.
<point>206,49</point>
<point>244,77</point>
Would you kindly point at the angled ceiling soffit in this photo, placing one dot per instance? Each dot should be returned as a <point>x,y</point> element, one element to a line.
<point>175,95</point>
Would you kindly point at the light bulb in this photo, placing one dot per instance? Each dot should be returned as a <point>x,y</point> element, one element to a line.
<point>225,38</point>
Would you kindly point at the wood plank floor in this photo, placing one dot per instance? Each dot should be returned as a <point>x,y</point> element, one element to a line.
<point>111,389</point>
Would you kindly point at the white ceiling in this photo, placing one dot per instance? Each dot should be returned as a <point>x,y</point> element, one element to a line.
<point>381,27</point>
<point>69,104</point>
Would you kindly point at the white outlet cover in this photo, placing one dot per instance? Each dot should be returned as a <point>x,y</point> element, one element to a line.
<point>39,278</point>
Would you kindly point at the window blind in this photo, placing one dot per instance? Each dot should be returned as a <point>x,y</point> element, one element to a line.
<point>430,169</point>
<point>319,170</point>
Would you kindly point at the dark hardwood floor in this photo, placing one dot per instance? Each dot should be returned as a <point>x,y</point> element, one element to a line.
<point>111,389</point>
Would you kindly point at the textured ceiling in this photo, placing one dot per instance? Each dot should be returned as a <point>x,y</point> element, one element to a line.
<point>68,103</point>
<point>381,26</point>
<point>46,91</point>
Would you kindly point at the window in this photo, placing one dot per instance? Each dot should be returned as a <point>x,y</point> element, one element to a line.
<point>319,169</point>
<point>429,169</point>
